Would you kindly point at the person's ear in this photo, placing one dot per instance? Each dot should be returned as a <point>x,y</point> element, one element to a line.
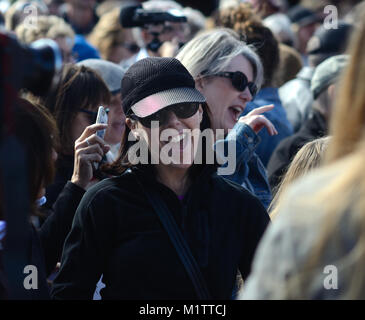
<point>132,125</point>
<point>331,91</point>
<point>200,83</point>
<point>200,113</point>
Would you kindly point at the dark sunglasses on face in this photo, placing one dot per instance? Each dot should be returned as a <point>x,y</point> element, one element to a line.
<point>239,81</point>
<point>132,47</point>
<point>92,114</point>
<point>181,110</point>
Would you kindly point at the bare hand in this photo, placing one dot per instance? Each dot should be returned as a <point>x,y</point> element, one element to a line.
<point>89,148</point>
<point>257,121</point>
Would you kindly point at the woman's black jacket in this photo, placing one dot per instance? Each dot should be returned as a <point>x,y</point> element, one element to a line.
<point>116,233</point>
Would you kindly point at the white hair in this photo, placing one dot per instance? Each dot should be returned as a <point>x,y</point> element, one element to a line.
<point>211,51</point>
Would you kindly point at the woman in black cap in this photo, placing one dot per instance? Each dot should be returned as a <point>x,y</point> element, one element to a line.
<point>159,230</point>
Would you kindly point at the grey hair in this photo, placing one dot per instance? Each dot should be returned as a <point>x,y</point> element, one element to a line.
<point>211,51</point>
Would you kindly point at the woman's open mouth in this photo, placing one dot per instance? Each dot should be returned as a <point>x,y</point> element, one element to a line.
<point>235,112</point>
<point>181,139</point>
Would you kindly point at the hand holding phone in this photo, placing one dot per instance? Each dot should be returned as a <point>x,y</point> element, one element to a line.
<point>89,150</point>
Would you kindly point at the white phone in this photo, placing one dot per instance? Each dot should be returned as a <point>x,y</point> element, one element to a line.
<point>102,117</point>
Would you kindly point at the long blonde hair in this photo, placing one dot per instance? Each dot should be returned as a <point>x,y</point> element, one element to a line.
<point>342,202</point>
<point>348,118</point>
<point>307,158</point>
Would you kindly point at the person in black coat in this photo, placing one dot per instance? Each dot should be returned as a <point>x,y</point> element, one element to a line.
<point>117,232</point>
<point>323,89</point>
<point>36,130</point>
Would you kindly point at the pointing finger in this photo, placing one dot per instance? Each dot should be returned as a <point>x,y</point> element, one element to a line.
<point>262,109</point>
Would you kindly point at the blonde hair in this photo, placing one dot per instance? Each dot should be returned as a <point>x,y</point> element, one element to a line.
<point>51,27</point>
<point>211,51</point>
<point>307,158</point>
<point>107,33</point>
<point>17,12</point>
<point>348,118</point>
<point>343,200</point>
<point>342,227</point>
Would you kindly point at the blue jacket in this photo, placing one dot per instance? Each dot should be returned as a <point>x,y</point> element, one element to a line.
<point>250,173</point>
<point>277,116</point>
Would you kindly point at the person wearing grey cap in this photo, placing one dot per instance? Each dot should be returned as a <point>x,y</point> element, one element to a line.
<point>323,89</point>
<point>112,74</point>
<point>296,95</point>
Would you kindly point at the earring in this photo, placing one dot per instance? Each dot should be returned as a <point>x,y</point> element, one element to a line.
<point>136,134</point>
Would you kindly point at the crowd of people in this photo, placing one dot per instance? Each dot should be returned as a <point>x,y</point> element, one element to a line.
<point>231,162</point>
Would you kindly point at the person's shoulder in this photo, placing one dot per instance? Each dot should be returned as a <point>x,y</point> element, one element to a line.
<point>233,189</point>
<point>241,204</point>
<point>111,187</point>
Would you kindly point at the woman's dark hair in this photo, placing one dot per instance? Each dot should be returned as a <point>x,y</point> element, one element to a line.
<point>79,88</point>
<point>122,163</point>
<point>36,130</point>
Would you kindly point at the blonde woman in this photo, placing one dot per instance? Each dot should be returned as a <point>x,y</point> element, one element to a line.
<point>315,248</point>
<point>229,73</point>
<point>308,158</point>
<point>50,27</point>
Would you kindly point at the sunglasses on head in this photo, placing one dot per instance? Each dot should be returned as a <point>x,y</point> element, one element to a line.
<point>181,110</point>
<point>239,81</point>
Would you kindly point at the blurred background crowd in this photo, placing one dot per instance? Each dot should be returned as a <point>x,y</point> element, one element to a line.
<point>312,54</point>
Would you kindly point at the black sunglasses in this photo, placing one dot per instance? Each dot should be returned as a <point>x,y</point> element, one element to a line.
<point>239,81</point>
<point>181,110</point>
<point>132,47</point>
<point>92,114</point>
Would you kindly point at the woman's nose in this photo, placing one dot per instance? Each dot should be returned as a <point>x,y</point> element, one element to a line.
<point>173,120</point>
<point>246,95</point>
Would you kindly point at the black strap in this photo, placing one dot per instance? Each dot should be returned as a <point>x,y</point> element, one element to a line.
<point>179,242</point>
